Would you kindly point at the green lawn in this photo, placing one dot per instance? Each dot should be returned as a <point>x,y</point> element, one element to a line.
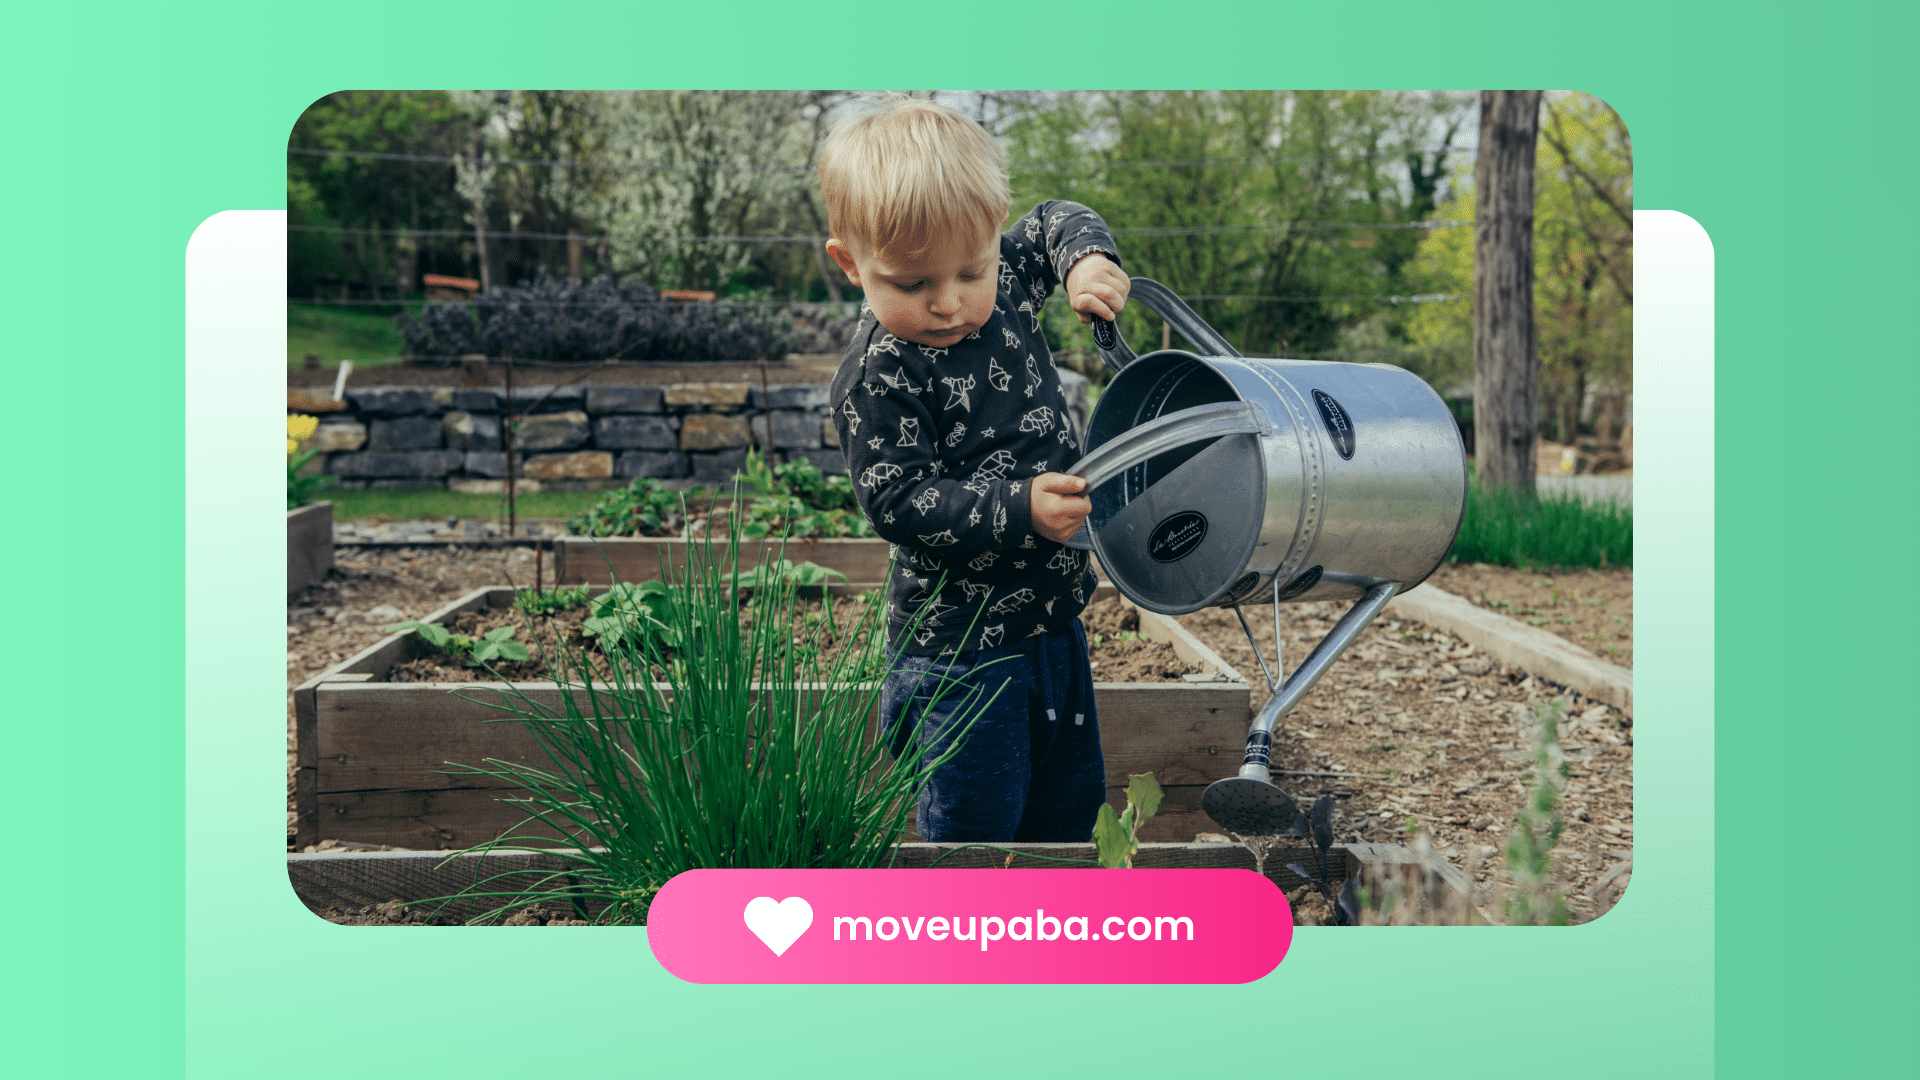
<point>336,334</point>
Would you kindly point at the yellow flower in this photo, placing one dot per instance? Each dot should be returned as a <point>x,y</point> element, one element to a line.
<point>300,428</point>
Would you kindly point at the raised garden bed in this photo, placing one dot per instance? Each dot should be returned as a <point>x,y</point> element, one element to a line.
<point>585,560</point>
<point>309,544</point>
<point>371,754</point>
<point>340,883</point>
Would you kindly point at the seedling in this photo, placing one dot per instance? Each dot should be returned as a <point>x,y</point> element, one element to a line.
<point>1116,838</point>
<point>495,644</point>
<point>549,601</point>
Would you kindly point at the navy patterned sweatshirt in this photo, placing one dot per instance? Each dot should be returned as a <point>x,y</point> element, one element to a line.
<point>943,445</point>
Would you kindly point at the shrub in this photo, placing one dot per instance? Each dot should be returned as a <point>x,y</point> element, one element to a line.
<point>562,320</point>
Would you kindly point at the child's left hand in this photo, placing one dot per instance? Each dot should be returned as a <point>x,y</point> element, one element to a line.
<point>1097,286</point>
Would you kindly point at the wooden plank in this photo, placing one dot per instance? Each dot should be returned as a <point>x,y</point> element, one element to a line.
<point>401,735</point>
<point>349,880</point>
<point>309,544</point>
<point>580,560</point>
<point>442,820</point>
<point>1516,644</point>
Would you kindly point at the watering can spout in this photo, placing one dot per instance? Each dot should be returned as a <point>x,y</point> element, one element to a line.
<point>1249,804</point>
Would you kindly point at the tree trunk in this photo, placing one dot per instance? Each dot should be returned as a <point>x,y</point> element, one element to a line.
<point>574,242</point>
<point>1506,366</point>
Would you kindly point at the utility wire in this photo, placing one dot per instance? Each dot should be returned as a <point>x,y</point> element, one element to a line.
<point>1197,230</point>
<point>1029,166</point>
<point>1420,298</point>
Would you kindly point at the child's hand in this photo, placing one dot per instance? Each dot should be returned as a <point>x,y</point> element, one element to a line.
<point>1058,509</point>
<point>1097,286</point>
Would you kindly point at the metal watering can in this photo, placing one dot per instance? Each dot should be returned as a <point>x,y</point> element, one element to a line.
<point>1218,480</point>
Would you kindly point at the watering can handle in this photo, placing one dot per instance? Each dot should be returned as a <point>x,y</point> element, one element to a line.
<point>1163,302</point>
<point>1155,437</point>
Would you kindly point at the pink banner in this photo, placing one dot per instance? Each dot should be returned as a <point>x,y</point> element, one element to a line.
<point>970,926</point>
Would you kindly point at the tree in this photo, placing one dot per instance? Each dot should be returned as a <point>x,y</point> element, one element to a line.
<point>1264,205</point>
<point>705,163</point>
<point>376,188</point>
<point>1582,270</point>
<point>1505,362</point>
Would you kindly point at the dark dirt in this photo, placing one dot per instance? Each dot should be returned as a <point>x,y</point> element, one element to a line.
<point>1116,658</point>
<point>1413,727</point>
<point>394,913</point>
<point>1118,654</point>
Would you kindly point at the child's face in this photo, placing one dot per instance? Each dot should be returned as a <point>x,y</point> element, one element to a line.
<point>934,297</point>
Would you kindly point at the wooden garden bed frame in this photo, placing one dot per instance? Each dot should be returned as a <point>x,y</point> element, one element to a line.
<point>309,544</point>
<point>587,560</point>
<point>350,880</point>
<point>371,755</point>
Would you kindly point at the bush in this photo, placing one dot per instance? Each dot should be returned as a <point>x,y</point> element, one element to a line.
<point>1506,530</point>
<point>558,319</point>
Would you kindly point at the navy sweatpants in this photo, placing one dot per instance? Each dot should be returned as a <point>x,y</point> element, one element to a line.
<point>1029,767</point>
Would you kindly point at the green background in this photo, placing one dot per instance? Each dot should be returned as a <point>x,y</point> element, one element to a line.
<point>151,930</point>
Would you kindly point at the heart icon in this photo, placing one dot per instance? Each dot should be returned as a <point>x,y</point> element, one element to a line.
<point>778,925</point>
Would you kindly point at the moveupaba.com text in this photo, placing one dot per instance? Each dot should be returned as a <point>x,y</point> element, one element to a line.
<point>1039,926</point>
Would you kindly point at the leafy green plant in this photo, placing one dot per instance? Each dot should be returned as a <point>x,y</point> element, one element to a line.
<point>1116,838</point>
<point>1537,828</point>
<point>300,489</point>
<point>706,743</point>
<point>495,644</point>
<point>550,601</point>
<point>797,499</point>
<point>631,612</point>
<point>643,506</point>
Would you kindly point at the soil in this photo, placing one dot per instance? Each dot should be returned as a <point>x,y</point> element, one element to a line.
<point>1590,608</point>
<point>1409,726</point>
<point>1413,728</point>
<point>369,590</point>
<point>1116,657</point>
<point>394,913</point>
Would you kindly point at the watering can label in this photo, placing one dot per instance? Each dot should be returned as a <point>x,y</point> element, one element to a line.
<point>1339,424</point>
<point>970,926</point>
<point>1177,536</point>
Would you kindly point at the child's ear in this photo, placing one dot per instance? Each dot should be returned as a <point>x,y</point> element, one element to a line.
<point>844,257</point>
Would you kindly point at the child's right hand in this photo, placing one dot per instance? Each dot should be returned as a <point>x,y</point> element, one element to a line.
<point>1058,508</point>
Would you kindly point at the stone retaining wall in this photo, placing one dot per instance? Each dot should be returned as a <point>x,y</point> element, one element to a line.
<point>577,436</point>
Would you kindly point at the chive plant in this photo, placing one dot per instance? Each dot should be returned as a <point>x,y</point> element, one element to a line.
<point>709,743</point>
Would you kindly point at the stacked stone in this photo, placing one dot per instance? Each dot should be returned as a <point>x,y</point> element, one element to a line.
<point>575,436</point>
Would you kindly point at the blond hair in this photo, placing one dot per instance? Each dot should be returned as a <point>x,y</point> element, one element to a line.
<point>911,171</point>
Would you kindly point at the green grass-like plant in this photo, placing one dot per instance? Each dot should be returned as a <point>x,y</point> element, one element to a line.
<point>707,745</point>
<point>1537,828</point>
<point>301,489</point>
<point>1505,529</point>
<point>336,333</point>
